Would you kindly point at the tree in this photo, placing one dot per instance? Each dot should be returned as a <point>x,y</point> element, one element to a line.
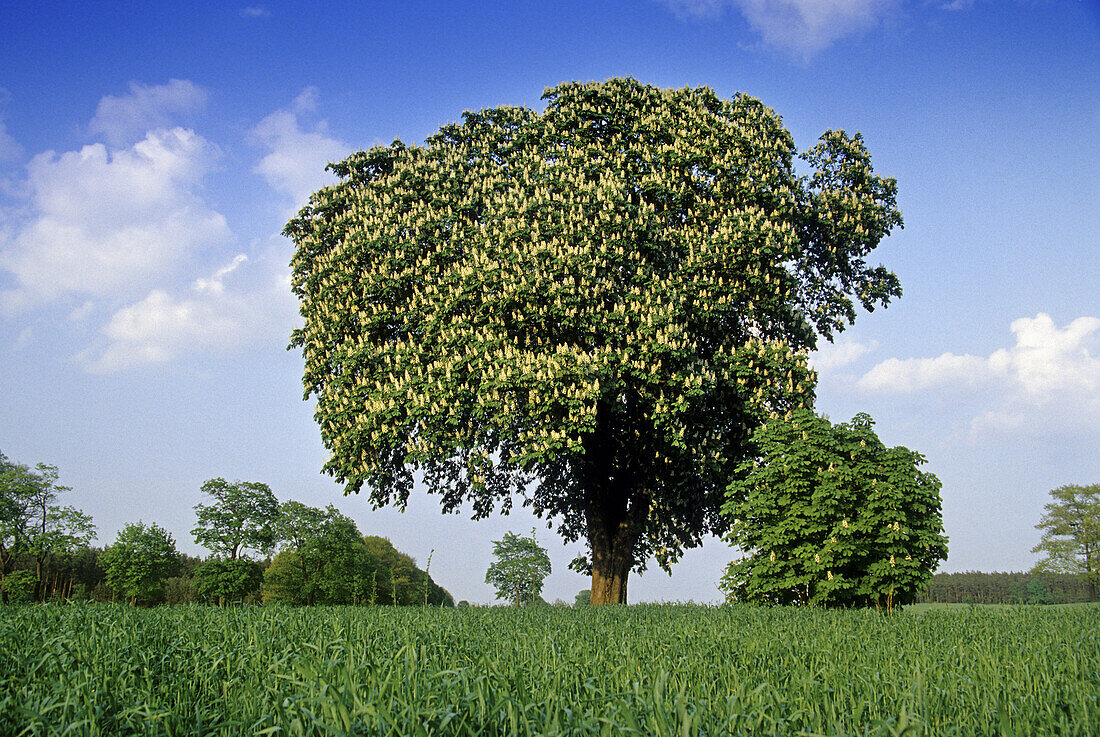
<point>328,564</point>
<point>519,568</point>
<point>33,524</point>
<point>399,580</point>
<point>582,598</point>
<point>1071,534</point>
<point>590,308</point>
<point>227,580</point>
<point>140,561</point>
<point>828,515</point>
<point>243,517</point>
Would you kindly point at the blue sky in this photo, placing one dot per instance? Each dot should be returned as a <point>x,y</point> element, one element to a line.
<point>150,154</point>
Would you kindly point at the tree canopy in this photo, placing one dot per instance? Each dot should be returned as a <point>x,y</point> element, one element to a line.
<point>589,308</point>
<point>828,515</point>
<point>140,560</point>
<point>243,516</point>
<point>325,560</point>
<point>1071,534</point>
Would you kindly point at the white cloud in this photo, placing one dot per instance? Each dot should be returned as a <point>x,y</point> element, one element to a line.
<point>1047,360</point>
<point>255,11</point>
<point>296,158</point>
<point>799,27</point>
<point>229,309</point>
<point>832,356</point>
<point>127,118</point>
<point>105,224</point>
<point>1050,376</point>
<point>918,374</point>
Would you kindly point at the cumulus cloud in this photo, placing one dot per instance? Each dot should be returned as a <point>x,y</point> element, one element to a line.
<point>1051,372</point>
<point>798,27</point>
<point>296,158</point>
<point>106,223</point>
<point>832,356</point>
<point>239,304</point>
<point>127,118</point>
<point>918,374</point>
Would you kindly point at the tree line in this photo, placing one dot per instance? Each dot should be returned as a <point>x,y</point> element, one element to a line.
<point>260,550</point>
<point>1018,587</point>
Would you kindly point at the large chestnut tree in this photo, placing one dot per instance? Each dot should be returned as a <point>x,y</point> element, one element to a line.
<point>588,308</point>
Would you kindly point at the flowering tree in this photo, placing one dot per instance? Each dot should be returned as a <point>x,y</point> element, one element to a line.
<point>828,515</point>
<point>589,308</point>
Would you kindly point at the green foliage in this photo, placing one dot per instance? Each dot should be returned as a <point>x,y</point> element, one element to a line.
<point>139,562</point>
<point>1071,534</point>
<point>327,561</point>
<point>400,581</point>
<point>664,671</point>
<point>519,568</point>
<point>828,515</point>
<point>976,587</point>
<point>225,581</point>
<point>329,566</point>
<point>32,524</point>
<point>179,590</point>
<point>583,598</point>
<point>591,306</point>
<point>243,516</point>
<point>18,587</point>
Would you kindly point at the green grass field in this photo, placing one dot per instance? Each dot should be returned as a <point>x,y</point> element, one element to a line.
<point>651,670</point>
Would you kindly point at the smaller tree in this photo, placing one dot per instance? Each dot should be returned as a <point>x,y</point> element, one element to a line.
<point>140,561</point>
<point>243,516</point>
<point>520,568</point>
<point>1071,534</point>
<point>828,515</point>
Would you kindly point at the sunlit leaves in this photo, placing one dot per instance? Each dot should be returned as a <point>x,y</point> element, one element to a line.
<point>829,515</point>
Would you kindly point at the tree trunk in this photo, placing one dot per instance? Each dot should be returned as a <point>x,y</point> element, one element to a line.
<point>615,523</point>
<point>616,510</point>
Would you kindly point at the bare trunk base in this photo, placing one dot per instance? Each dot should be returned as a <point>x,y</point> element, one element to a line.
<point>609,587</point>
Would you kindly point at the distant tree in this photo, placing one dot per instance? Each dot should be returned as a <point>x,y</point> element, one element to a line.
<point>1037,592</point>
<point>228,580</point>
<point>243,516</point>
<point>139,562</point>
<point>1071,534</point>
<point>519,568</point>
<point>583,598</point>
<point>180,590</point>
<point>325,560</point>
<point>400,581</point>
<point>591,306</point>
<point>33,524</point>
<point>828,515</point>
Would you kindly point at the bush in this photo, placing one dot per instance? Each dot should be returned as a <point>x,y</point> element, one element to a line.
<point>19,587</point>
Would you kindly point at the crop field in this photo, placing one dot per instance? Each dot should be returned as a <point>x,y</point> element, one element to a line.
<point>648,670</point>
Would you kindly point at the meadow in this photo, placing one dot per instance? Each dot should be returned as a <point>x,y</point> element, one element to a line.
<point>646,669</point>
